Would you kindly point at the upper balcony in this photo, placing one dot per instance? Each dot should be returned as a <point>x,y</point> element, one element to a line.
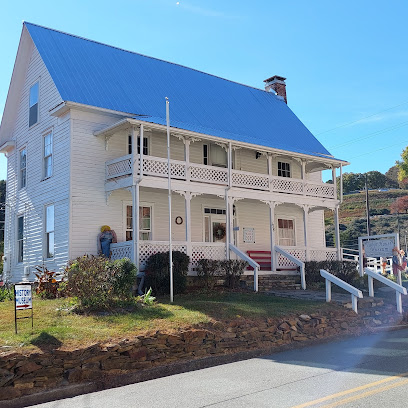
<point>188,171</point>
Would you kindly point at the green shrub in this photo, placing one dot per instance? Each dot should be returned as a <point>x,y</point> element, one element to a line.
<point>233,269</point>
<point>99,283</point>
<point>208,271</point>
<point>158,272</point>
<point>346,271</point>
<point>6,293</point>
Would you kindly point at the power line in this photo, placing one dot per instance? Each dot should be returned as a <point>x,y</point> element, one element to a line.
<point>376,133</point>
<point>359,120</point>
<point>373,151</point>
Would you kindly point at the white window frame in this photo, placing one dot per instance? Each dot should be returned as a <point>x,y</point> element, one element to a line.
<point>38,104</point>
<point>141,204</point>
<point>20,254</point>
<point>20,172</point>
<point>47,232</point>
<point>285,218</point>
<point>147,147</point>
<point>289,170</point>
<point>51,155</point>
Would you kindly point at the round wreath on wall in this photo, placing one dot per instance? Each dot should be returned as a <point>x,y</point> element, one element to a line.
<point>179,220</point>
<point>219,231</point>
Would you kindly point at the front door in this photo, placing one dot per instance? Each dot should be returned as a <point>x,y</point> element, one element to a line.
<point>218,229</point>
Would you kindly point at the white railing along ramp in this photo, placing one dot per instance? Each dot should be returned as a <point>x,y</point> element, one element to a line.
<point>330,278</point>
<point>296,261</point>
<point>251,262</point>
<point>399,289</point>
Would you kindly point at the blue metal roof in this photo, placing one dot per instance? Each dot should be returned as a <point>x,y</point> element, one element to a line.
<point>95,74</point>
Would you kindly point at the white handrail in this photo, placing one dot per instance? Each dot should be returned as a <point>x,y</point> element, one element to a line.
<point>399,289</point>
<point>330,278</point>
<point>296,261</point>
<point>251,262</point>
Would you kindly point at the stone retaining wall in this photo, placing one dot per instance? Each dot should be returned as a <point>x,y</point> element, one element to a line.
<point>23,374</point>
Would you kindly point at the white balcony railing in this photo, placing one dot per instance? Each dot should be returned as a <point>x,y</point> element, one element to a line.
<point>157,166</point>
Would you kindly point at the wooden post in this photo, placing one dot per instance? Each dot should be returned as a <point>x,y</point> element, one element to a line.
<point>187,157</point>
<point>328,291</point>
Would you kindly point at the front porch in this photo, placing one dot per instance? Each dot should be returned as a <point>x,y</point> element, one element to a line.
<point>217,251</point>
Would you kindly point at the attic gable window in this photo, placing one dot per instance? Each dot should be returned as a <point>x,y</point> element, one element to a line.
<point>33,106</point>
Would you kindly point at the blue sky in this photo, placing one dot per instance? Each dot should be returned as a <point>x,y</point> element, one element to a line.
<point>345,61</point>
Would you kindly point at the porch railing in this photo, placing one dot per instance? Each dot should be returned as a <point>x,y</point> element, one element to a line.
<point>255,266</point>
<point>157,166</point>
<point>296,261</point>
<point>330,278</point>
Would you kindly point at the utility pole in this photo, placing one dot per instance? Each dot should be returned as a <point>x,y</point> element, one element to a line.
<point>367,206</point>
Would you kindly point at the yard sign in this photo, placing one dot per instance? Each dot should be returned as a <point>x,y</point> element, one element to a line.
<point>23,300</point>
<point>376,246</point>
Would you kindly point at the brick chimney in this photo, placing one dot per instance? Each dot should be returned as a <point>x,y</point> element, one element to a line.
<point>278,85</point>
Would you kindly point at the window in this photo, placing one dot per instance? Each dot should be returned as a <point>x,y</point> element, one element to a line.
<point>33,105</point>
<point>145,223</point>
<point>20,238</point>
<point>205,154</point>
<point>145,145</point>
<point>286,231</point>
<point>49,231</point>
<point>283,169</point>
<point>214,155</point>
<point>23,168</point>
<point>47,155</point>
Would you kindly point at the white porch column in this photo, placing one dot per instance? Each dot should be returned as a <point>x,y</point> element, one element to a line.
<point>270,171</point>
<point>341,183</point>
<point>188,222</point>
<point>228,201</point>
<point>337,232</point>
<point>187,157</point>
<point>274,263</point>
<point>303,163</point>
<point>306,229</point>
<point>135,224</point>
<point>334,181</point>
<point>230,226</point>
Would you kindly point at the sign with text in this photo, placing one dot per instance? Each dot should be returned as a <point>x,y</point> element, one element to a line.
<point>249,235</point>
<point>379,247</point>
<point>23,297</point>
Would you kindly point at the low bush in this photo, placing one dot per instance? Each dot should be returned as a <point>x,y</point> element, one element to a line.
<point>233,269</point>
<point>47,287</point>
<point>346,271</point>
<point>158,272</point>
<point>6,293</point>
<point>208,272</point>
<point>99,283</point>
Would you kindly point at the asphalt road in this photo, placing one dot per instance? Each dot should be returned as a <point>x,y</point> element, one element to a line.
<point>368,371</point>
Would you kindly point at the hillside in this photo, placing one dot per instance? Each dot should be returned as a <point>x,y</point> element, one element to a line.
<point>353,217</point>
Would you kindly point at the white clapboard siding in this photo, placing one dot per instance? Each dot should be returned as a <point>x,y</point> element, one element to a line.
<point>31,201</point>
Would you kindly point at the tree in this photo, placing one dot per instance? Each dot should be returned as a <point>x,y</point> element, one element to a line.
<point>400,205</point>
<point>403,166</point>
<point>392,178</point>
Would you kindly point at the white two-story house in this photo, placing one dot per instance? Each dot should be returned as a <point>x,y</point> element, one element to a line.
<point>84,132</point>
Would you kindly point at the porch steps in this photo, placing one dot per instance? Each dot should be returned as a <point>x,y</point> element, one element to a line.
<point>272,282</point>
<point>263,258</point>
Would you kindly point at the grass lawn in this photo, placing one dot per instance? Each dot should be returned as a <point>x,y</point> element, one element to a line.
<point>55,323</point>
